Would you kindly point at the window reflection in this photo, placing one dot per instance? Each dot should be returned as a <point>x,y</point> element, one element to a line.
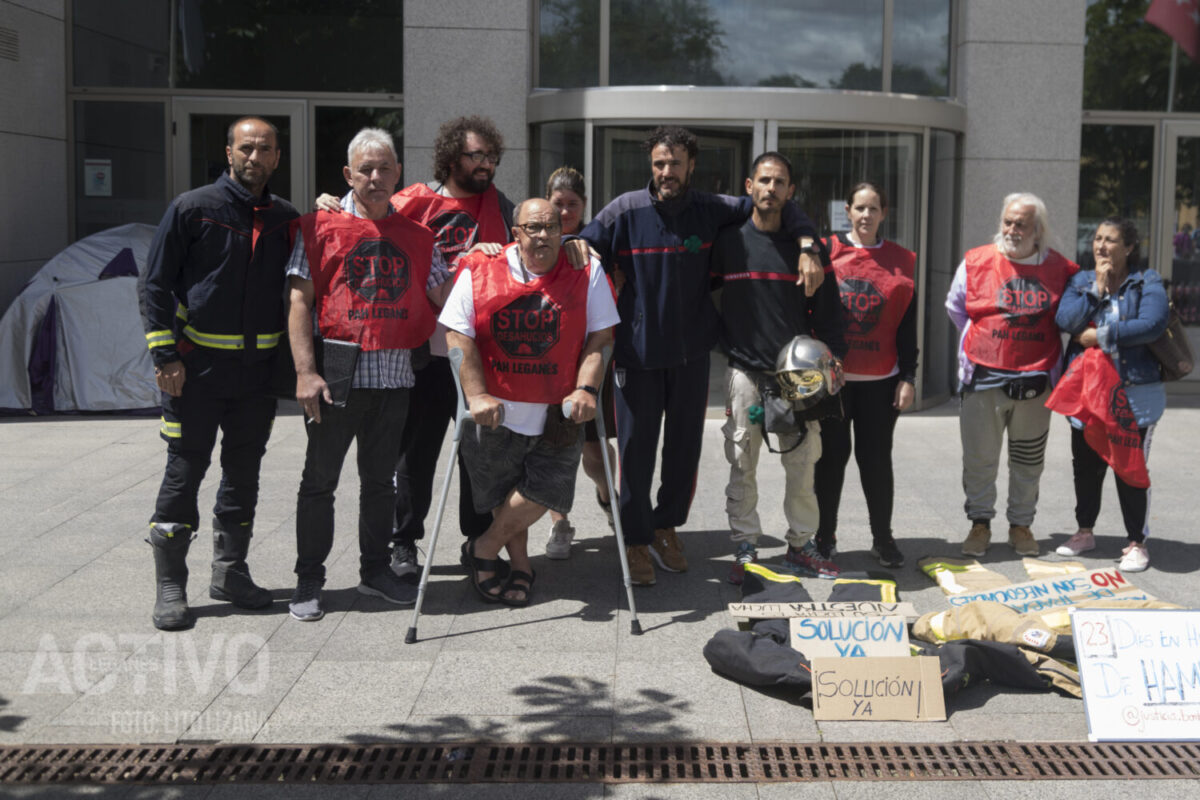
<point>722,43</point>
<point>336,126</point>
<point>623,166</point>
<point>288,45</point>
<point>556,144</point>
<point>939,343</point>
<point>1115,178</point>
<point>134,162</point>
<point>123,44</point>
<point>921,47</point>
<point>827,162</point>
<point>569,43</point>
<point>1185,211</point>
<point>827,44</point>
<point>1127,62</point>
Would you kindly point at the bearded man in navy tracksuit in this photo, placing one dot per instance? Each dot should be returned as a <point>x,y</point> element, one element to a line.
<point>660,238</point>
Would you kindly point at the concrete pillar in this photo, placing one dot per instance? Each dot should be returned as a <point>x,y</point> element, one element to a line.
<point>33,133</point>
<point>1020,74</point>
<point>463,57</point>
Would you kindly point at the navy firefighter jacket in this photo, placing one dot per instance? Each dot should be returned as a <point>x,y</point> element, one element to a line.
<point>664,248</point>
<point>215,273</point>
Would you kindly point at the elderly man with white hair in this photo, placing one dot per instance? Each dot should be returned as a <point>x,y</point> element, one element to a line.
<point>1003,300</point>
<point>369,276</point>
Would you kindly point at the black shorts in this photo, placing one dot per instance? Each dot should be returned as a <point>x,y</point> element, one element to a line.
<point>500,460</point>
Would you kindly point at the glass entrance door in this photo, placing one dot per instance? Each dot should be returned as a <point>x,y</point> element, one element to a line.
<point>624,166</point>
<point>1178,257</point>
<point>199,127</point>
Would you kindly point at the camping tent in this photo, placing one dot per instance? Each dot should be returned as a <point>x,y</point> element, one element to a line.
<point>72,340</point>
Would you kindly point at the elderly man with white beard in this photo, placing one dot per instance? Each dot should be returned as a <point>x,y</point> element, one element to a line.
<point>1003,300</point>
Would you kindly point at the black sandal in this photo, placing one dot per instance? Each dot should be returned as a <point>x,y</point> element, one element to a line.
<point>607,508</point>
<point>477,565</point>
<point>465,559</point>
<point>511,585</point>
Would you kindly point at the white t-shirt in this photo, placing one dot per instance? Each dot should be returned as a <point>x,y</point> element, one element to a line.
<point>459,315</point>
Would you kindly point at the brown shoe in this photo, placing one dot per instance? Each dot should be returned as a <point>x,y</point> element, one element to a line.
<point>977,540</point>
<point>668,551</point>
<point>1020,538</point>
<point>641,568</point>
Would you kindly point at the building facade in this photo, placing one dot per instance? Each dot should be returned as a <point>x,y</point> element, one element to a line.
<point>115,106</point>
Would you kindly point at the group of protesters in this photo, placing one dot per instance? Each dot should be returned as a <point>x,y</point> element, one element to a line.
<point>369,294</point>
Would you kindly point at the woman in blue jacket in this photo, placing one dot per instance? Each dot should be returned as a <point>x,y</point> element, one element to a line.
<point>1120,308</point>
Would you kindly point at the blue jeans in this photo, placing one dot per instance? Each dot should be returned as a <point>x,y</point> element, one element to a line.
<point>375,419</point>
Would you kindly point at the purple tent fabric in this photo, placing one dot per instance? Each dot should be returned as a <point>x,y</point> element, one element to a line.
<point>122,264</point>
<point>41,362</point>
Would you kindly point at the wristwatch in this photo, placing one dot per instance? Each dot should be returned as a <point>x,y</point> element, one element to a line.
<point>808,248</point>
<point>592,390</point>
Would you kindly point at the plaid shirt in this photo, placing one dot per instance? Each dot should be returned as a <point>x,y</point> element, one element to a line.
<point>377,369</point>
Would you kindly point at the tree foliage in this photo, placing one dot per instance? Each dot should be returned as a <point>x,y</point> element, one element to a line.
<point>666,41</point>
<point>1127,62</point>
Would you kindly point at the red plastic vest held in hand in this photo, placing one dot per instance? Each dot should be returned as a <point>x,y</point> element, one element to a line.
<point>369,279</point>
<point>529,335</point>
<point>1011,307</point>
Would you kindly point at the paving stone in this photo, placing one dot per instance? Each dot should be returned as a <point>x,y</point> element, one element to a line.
<point>519,682</point>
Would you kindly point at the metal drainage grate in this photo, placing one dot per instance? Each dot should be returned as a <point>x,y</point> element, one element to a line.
<point>590,763</point>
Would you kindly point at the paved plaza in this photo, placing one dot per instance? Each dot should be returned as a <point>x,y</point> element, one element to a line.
<point>80,661</point>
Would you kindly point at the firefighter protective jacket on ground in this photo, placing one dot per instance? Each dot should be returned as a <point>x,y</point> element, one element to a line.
<point>762,656</point>
<point>215,273</point>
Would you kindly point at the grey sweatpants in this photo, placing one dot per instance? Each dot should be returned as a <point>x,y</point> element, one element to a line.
<point>984,416</point>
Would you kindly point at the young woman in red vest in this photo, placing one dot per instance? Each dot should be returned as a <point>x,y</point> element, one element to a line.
<point>875,278</point>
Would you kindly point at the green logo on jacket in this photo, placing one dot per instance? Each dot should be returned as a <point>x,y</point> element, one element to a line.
<point>692,244</point>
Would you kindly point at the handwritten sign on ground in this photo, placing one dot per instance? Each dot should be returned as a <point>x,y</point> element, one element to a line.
<point>849,637</point>
<point>845,608</point>
<point>1048,593</point>
<point>905,688</point>
<point>1140,672</point>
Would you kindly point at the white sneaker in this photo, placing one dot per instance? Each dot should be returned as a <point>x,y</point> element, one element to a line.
<point>1136,559</point>
<point>1081,542</point>
<point>558,546</point>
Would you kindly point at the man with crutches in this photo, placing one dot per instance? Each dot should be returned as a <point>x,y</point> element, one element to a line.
<point>532,330</point>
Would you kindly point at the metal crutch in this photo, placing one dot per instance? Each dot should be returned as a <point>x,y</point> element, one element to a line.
<point>635,627</point>
<point>460,419</point>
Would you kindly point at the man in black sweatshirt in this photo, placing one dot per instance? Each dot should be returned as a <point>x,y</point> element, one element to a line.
<point>763,305</point>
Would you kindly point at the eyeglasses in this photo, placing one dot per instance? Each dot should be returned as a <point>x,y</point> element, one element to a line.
<point>478,157</point>
<point>535,228</point>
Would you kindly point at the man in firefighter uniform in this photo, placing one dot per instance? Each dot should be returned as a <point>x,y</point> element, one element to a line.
<point>531,329</point>
<point>369,276</point>
<point>1003,300</point>
<point>211,302</point>
<point>660,238</point>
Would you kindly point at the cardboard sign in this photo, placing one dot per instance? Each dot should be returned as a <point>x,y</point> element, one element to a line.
<point>1140,673</point>
<point>849,637</point>
<point>907,688</point>
<point>1099,584</point>
<point>845,608</point>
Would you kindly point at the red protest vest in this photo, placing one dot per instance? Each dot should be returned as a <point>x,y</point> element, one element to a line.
<point>369,278</point>
<point>876,285</point>
<point>529,335</point>
<point>1093,393</point>
<point>1011,307</point>
<point>458,223</point>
